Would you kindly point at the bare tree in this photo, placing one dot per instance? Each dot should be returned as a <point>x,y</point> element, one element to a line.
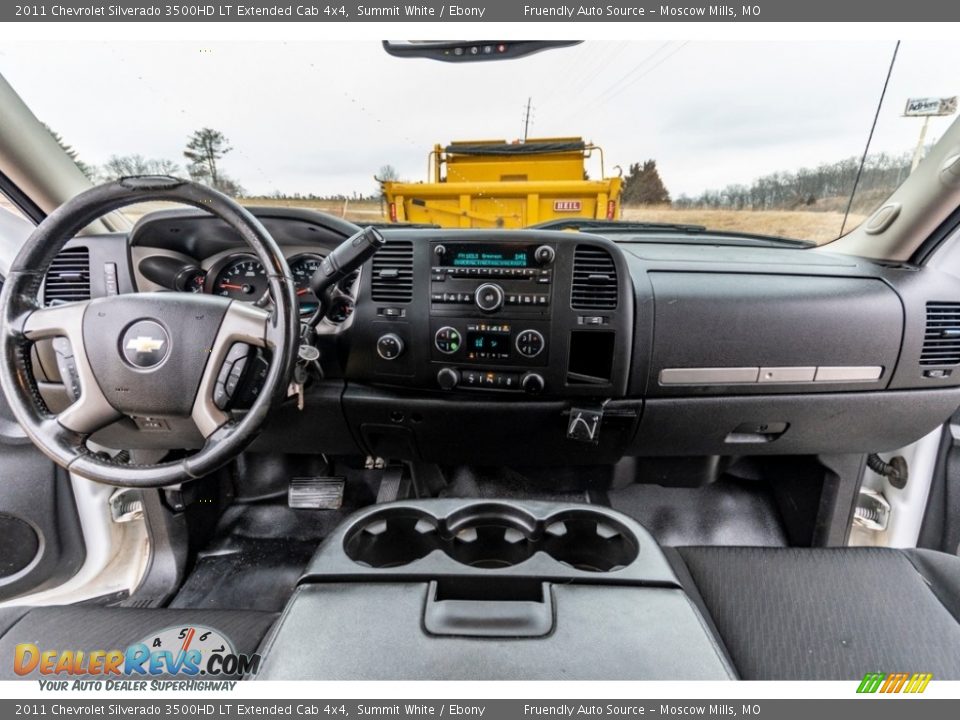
<point>386,173</point>
<point>119,166</point>
<point>205,148</point>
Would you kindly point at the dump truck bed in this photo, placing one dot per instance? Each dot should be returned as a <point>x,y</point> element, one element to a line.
<point>496,184</point>
<point>502,204</point>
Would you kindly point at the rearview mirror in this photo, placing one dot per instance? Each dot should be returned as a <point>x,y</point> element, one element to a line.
<point>471,50</point>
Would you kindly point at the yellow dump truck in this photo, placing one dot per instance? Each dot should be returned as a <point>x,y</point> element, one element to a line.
<point>496,184</point>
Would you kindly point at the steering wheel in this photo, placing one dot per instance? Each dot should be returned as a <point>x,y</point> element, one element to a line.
<point>143,354</point>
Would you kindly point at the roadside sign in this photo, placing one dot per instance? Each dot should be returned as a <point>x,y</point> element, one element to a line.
<point>930,107</point>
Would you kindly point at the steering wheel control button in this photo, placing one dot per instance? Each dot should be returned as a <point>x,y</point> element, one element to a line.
<point>67,367</point>
<point>230,373</point>
<point>489,297</point>
<point>530,343</point>
<point>447,340</point>
<point>145,344</point>
<point>390,346</point>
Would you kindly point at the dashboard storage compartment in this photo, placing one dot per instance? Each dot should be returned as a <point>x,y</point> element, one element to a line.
<point>469,589</point>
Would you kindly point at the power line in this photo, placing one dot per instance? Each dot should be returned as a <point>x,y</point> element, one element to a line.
<point>643,75</point>
<point>631,71</point>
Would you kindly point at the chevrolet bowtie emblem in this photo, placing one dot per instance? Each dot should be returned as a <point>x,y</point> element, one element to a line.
<point>144,344</point>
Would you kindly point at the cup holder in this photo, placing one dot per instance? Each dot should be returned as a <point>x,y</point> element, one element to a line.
<point>490,536</point>
<point>392,538</point>
<point>589,541</point>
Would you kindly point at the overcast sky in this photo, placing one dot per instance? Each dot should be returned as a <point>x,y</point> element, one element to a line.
<point>323,117</point>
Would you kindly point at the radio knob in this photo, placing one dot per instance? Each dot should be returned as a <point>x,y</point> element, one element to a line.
<point>544,255</point>
<point>390,346</point>
<point>489,297</point>
<point>532,383</point>
<point>439,250</point>
<point>448,378</point>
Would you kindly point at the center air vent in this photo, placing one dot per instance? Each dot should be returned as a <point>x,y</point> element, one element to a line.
<point>594,279</point>
<point>68,278</point>
<point>392,272</point>
<point>941,342</point>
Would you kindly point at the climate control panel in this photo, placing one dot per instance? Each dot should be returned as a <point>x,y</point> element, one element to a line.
<point>449,378</point>
<point>467,340</point>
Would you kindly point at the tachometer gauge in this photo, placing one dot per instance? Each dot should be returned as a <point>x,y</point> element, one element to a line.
<point>241,277</point>
<point>302,267</point>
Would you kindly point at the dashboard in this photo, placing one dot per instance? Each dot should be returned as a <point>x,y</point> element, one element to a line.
<point>556,348</point>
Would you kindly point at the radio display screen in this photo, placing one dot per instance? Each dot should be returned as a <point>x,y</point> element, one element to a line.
<point>488,255</point>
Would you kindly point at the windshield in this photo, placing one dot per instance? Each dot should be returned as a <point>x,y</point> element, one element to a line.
<point>764,138</point>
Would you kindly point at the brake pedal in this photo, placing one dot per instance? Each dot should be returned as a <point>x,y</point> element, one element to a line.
<point>316,493</point>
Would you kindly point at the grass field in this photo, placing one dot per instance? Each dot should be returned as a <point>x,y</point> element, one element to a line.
<point>819,227</point>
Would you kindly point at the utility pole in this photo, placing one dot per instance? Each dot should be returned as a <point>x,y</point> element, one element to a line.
<point>918,151</point>
<point>526,119</point>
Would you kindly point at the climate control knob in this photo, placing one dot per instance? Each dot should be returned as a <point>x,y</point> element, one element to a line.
<point>530,343</point>
<point>447,340</point>
<point>390,346</point>
<point>448,378</point>
<point>489,297</point>
<point>533,383</point>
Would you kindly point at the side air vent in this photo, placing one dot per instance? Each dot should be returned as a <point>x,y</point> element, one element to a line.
<point>392,272</point>
<point>68,278</point>
<point>941,342</point>
<point>594,279</point>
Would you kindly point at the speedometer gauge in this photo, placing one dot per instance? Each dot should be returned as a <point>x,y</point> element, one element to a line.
<point>241,277</point>
<point>302,267</point>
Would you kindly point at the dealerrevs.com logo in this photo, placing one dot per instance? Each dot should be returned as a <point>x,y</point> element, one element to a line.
<point>190,651</point>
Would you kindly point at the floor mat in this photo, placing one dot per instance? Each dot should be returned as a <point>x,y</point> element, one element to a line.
<point>257,557</point>
<point>508,484</point>
<point>726,512</point>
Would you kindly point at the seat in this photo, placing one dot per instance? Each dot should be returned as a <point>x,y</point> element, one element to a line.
<point>828,613</point>
<point>88,628</point>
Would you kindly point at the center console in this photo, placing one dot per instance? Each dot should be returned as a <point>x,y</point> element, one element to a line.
<point>499,313</point>
<point>474,590</point>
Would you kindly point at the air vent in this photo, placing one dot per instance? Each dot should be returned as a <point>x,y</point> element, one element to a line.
<point>941,342</point>
<point>68,278</point>
<point>594,279</point>
<point>392,273</point>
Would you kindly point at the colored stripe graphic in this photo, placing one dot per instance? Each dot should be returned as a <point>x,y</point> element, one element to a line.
<point>891,683</point>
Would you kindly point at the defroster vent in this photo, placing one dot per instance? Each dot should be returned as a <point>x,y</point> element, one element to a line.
<point>68,278</point>
<point>941,342</point>
<point>392,272</point>
<point>595,284</point>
